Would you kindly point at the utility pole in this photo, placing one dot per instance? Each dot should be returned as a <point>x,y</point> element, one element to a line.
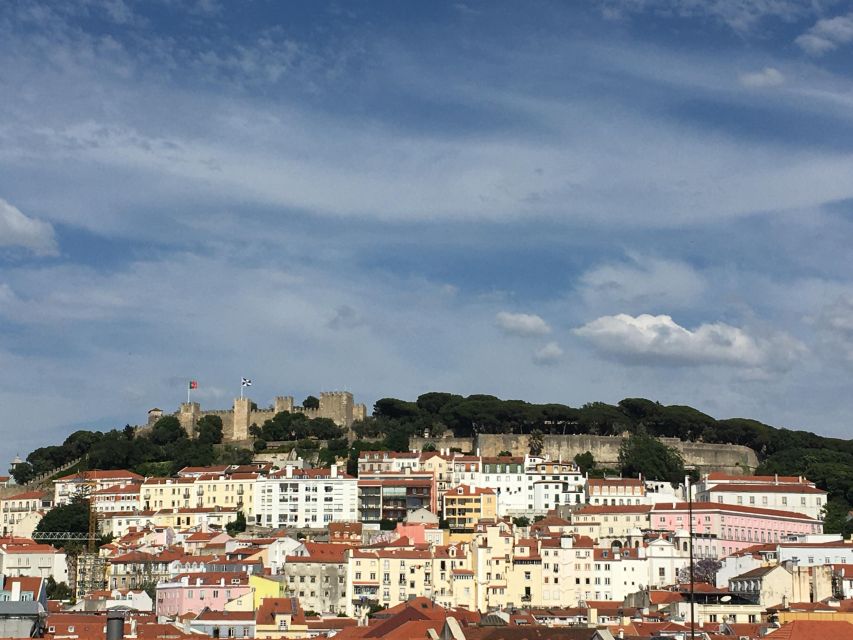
<point>690,551</point>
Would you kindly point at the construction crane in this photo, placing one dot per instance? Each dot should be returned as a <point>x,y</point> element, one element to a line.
<point>87,569</point>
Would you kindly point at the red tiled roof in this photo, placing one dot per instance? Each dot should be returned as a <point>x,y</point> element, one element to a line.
<point>716,506</point>
<point>813,630</point>
<point>766,488</point>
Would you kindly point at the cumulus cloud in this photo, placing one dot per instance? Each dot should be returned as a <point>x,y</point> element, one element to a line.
<point>548,355</point>
<point>19,230</point>
<point>522,324</point>
<point>767,77</point>
<point>640,281</point>
<point>647,339</point>
<point>827,34</point>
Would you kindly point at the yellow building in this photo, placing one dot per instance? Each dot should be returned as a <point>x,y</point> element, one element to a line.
<point>280,618</point>
<point>465,506</point>
<point>205,490</point>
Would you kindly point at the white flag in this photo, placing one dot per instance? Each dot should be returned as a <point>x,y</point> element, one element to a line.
<point>246,382</point>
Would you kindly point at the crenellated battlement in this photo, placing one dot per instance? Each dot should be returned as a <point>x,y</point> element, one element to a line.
<point>338,406</point>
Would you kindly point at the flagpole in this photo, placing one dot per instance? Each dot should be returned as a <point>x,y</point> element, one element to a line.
<point>189,388</point>
<point>241,388</point>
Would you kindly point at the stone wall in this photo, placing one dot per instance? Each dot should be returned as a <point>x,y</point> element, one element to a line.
<point>734,459</point>
<point>338,406</point>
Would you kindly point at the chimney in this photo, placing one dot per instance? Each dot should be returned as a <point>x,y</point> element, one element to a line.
<point>333,472</point>
<point>115,625</point>
<point>288,471</point>
<point>16,591</point>
<point>478,452</point>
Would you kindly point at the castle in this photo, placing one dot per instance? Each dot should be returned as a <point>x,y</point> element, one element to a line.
<point>337,406</point>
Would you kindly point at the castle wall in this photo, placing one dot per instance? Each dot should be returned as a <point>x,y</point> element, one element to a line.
<point>335,405</point>
<point>734,459</point>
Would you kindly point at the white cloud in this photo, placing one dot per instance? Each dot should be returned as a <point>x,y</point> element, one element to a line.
<point>739,15</point>
<point>834,325</point>
<point>767,77</point>
<point>647,339</point>
<point>827,34</point>
<point>522,324</point>
<point>641,281</point>
<point>548,355</point>
<point>19,230</point>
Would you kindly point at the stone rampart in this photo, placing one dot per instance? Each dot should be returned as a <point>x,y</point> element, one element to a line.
<point>734,459</point>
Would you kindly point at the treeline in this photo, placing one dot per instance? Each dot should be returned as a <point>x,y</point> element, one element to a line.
<point>826,461</point>
<point>163,450</point>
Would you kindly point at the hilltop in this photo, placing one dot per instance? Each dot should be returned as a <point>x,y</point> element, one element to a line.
<point>167,445</point>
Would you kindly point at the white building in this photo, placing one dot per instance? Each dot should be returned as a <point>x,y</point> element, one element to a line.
<point>785,493</point>
<point>27,558</point>
<point>616,491</point>
<point>67,487</point>
<point>306,498</point>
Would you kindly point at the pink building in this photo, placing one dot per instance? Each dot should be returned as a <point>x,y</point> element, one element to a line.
<point>191,593</point>
<point>722,529</point>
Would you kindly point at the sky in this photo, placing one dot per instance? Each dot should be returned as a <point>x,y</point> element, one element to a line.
<point>547,201</point>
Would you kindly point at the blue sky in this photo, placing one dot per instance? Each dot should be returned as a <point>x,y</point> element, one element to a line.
<point>560,202</point>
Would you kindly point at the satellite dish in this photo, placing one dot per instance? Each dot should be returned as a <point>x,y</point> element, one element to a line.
<point>726,599</point>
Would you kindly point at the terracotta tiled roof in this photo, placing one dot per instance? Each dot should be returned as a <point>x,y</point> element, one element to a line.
<point>813,630</point>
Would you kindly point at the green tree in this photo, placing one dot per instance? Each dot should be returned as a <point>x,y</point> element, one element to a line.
<point>209,429</point>
<point>57,590</point>
<point>167,430</point>
<point>642,453</point>
<point>536,442</point>
<point>22,472</point>
<point>504,454</point>
<point>585,462</point>
<point>521,521</point>
<point>238,525</point>
<point>260,445</point>
<point>72,517</point>
<point>311,402</point>
<point>428,447</point>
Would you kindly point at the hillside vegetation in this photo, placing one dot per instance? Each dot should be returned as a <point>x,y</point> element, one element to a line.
<point>167,447</point>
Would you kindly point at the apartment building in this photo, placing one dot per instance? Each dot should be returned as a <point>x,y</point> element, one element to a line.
<point>721,529</point>
<point>118,498</point>
<point>23,511</point>
<point>784,493</point>
<point>317,575</point>
<point>192,593</point>
<point>22,557</point>
<point>393,495</point>
<point>464,506</point>
<point>67,487</point>
<point>615,491</point>
<point>202,490</point>
<point>313,498</point>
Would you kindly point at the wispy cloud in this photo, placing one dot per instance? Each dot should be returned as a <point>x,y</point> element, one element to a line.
<point>641,281</point>
<point>827,34</point>
<point>19,230</point>
<point>550,354</point>
<point>767,77</point>
<point>522,324</point>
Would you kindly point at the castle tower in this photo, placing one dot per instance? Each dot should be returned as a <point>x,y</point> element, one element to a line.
<point>240,425</point>
<point>337,405</point>
<point>188,416</point>
<point>284,404</point>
